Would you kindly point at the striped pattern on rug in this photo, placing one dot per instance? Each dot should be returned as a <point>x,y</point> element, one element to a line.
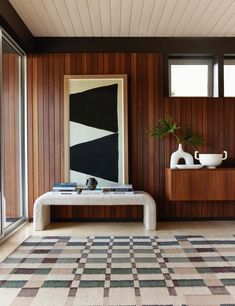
<point>119,270</point>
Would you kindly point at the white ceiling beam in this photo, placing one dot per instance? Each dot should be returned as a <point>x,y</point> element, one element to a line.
<point>227,15</point>
<point>136,15</point>
<point>84,13</point>
<point>146,17</point>
<point>126,9</point>
<point>176,16</point>
<point>54,17</point>
<point>63,13</point>
<point>115,17</point>
<point>133,18</point>
<point>185,18</point>
<point>21,9</point>
<point>206,17</point>
<point>166,17</point>
<point>45,18</point>
<point>196,17</point>
<point>94,9</point>
<point>105,12</point>
<point>75,17</point>
<point>213,20</point>
<point>156,17</point>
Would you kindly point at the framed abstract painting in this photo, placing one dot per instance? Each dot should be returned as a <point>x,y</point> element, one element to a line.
<point>96,128</point>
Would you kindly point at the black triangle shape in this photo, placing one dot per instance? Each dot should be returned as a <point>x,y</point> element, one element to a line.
<point>98,157</point>
<point>96,107</point>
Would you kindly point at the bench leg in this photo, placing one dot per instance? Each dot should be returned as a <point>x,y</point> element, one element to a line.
<point>42,217</point>
<point>150,217</point>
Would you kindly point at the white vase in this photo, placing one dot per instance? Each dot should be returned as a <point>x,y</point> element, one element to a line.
<point>177,155</point>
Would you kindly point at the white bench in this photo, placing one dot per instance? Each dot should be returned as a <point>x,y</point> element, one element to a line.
<point>42,215</point>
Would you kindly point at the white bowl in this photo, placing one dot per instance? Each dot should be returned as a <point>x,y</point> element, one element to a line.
<point>210,160</point>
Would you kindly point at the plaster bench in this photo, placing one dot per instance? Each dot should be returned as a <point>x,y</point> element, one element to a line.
<point>42,215</point>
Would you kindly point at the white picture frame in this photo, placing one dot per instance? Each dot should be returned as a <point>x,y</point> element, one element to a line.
<point>80,139</point>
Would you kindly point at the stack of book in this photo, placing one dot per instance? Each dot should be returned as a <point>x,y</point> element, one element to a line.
<point>65,187</point>
<point>119,189</point>
<point>69,188</point>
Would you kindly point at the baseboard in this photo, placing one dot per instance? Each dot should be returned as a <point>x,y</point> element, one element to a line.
<point>137,219</point>
<point>96,220</point>
<point>197,219</point>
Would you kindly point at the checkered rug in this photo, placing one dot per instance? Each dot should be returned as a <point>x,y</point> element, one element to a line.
<point>119,270</point>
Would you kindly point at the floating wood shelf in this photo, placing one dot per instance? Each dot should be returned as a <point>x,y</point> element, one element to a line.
<point>200,185</point>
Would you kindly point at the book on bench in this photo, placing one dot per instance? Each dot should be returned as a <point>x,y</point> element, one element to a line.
<point>88,191</point>
<point>119,189</point>
<point>64,187</point>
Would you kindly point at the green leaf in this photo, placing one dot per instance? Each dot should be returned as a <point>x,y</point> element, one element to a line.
<point>164,127</point>
<point>193,139</point>
<point>168,127</point>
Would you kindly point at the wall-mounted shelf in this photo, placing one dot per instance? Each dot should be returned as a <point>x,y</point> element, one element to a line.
<point>200,185</point>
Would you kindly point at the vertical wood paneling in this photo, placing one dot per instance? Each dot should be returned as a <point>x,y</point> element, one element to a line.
<point>51,114</point>
<point>46,123</point>
<point>148,157</point>
<point>41,125</point>
<point>30,135</point>
<point>34,102</point>
<point>10,133</point>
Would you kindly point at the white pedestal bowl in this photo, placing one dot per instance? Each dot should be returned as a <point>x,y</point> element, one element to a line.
<point>210,160</point>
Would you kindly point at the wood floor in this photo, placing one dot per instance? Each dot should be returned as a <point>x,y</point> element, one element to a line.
<point>207,228</point>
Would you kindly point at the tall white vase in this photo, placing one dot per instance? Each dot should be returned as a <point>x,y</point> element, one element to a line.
<point>177,155</point>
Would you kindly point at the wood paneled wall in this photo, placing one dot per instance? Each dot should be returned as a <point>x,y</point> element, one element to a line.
<point>10,133</point>
<point>148,157</point>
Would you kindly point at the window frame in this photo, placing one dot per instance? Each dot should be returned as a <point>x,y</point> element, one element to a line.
<point>4,36</point>
<point>193,61</point>
<point>228,60</point>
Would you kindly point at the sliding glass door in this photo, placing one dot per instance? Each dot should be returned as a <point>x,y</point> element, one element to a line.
<point>12,135</point>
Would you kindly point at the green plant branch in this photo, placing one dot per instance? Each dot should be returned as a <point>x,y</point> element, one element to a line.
<point>177,138</point>
<point>167,127</point>
<point>195,140</point>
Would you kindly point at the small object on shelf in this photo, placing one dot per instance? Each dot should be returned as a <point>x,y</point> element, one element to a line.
<point>189,166</point>
<point>180,154</point>
<point>210,160</point>
<point>91,183</point>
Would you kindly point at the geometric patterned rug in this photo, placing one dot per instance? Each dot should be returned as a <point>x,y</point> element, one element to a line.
<point>120,270</point>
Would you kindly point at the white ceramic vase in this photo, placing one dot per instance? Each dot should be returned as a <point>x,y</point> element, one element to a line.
<point>177,155</point>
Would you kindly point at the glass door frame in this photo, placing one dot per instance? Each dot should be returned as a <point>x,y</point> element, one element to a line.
<point>22,135</point>
<point>1,98</point>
